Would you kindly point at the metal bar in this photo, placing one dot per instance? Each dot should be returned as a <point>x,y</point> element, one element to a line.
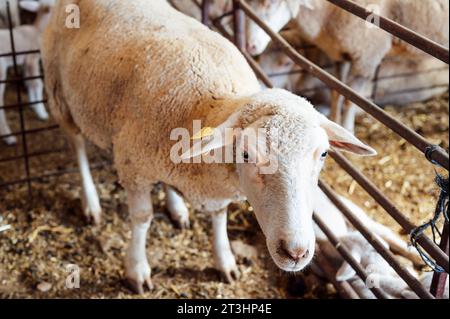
<point>5,55</point>
<point>22,79</point>
<point>412,282</point>
<point>434,251</point>
<point>15,106</point>
<point>438,155</point>
<point>239,26</point>
<point>32,131</point>
<point>344,289</point>
<point>52,174</point>
<point>206,8</point>
<point>30,155</point>
<point>19,101</point>
<point>396,29</point>
<point>439,282</point>
<point>345,253</point>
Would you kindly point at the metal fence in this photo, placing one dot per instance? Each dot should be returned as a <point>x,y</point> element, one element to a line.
<point>437,252</point>
<point>24,132</point>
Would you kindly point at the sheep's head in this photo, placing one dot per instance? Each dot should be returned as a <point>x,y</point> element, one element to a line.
<point>278,166</point>
<point>276,14</point>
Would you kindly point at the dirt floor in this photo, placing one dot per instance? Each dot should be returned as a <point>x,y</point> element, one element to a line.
<point>49,232</point>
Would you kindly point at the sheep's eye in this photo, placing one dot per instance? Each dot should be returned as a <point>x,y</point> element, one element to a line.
<point>245,157</point>
<point>324,155</point>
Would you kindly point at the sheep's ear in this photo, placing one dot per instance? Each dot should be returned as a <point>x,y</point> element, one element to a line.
<point>31,6</point>
<point>346,271</point>
<point>343,140</point>
<point>213,138</point>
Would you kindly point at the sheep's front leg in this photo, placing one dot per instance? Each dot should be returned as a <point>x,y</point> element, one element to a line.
<point>137,269</point>
<point>177,208</point>
<point>223,257</point>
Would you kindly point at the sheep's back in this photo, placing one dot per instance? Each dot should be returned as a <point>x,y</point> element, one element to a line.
<point>141,62</point>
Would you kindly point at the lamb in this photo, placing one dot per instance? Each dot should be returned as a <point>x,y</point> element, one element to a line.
<point>27,38</point>
<point>360,53</point>
<point>135,72</point>
<point>15,16</point>
<point>380,273</point>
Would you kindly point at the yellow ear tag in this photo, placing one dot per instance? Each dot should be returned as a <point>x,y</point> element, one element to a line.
<point>205,132</point>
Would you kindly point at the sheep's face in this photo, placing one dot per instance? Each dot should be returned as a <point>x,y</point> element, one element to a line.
<point>276,14</point>
<point>278,170</point>
<point>283,199</point>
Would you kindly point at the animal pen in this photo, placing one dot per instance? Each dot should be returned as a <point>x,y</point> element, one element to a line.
<point>434,251</point>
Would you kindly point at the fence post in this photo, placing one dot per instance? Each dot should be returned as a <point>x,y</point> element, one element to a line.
<point>206,8</point>
<point>239,25</point>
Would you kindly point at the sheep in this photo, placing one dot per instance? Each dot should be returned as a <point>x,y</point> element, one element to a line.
<point>380,273</point>
<point>136,75</point>
<point>400,80</point>
<point>15,16</point>
<point>27,38</point>
<point>360,53</point>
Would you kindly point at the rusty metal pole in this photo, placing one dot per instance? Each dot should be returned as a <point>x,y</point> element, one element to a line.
<point>439,281</point>
<point>239,26</point>
<point>206,8</point>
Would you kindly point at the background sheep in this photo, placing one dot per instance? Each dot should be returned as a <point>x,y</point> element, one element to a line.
<point>166,82</point>
<point>27,38</point>
<point>400,80</point>
<point>332,30</point>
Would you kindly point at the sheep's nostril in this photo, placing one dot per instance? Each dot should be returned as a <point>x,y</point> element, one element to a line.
<point>295,254</point>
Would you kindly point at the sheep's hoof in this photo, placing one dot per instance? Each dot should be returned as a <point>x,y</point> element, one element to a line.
<point>180,217</point>
<point>230,275</point>
<point>93,217</point>
<point>11,140</point>
<point>183,223</point>
<point>139,287</point>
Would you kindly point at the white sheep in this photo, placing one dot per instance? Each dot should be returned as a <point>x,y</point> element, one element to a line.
<point>400,80</point>
<point>27,38</point>
<point>14,9</point>
<point>135,72</point>
<point>380,272</point>
<point>333,31</point>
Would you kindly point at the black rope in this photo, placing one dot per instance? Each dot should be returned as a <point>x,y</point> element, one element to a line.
<point>442,208</point>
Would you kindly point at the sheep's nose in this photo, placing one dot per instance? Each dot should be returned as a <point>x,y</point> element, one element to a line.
<point>295,254</point>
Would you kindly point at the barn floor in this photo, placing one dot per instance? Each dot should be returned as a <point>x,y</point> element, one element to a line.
<point>48,232</point>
